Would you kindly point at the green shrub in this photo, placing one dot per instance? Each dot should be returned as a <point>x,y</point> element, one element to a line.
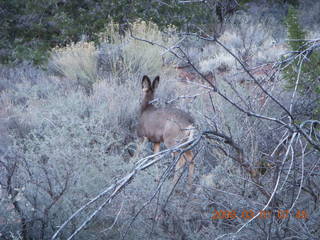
<point>295,31</point>
<point>310,63</point>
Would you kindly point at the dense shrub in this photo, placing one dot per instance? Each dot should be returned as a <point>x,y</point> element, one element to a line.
<point>77,62</point>
<point>63,145</point>
<point>124,55</point>
<point>67,146</point>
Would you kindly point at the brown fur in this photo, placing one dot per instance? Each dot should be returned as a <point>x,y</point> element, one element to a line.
<point>168,125</point>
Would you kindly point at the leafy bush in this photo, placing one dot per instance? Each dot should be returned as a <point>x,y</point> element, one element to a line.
<point>124,56</point>
<point>77,62</point>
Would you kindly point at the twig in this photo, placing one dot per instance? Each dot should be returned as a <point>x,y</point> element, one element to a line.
<point>302,175</point>
<point>116,219</point>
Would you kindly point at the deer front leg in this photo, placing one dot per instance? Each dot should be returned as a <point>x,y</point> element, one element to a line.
<point>156,149</point>
<point>140,147</point>
<point>179,168</point>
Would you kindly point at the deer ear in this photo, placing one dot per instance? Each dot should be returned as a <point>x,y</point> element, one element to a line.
<point>146,83</point>
<point>155,82</point>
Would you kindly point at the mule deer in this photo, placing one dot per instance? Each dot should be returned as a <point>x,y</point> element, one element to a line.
<point>168,125</point>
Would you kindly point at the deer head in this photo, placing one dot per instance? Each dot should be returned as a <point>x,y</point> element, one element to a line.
<point>148,89</point>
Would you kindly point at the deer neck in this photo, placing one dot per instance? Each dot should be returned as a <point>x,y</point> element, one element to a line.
<point>145,102</point>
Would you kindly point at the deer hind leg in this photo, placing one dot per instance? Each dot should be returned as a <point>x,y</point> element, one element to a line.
<point>156,149</point>
<point>179,168</point>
